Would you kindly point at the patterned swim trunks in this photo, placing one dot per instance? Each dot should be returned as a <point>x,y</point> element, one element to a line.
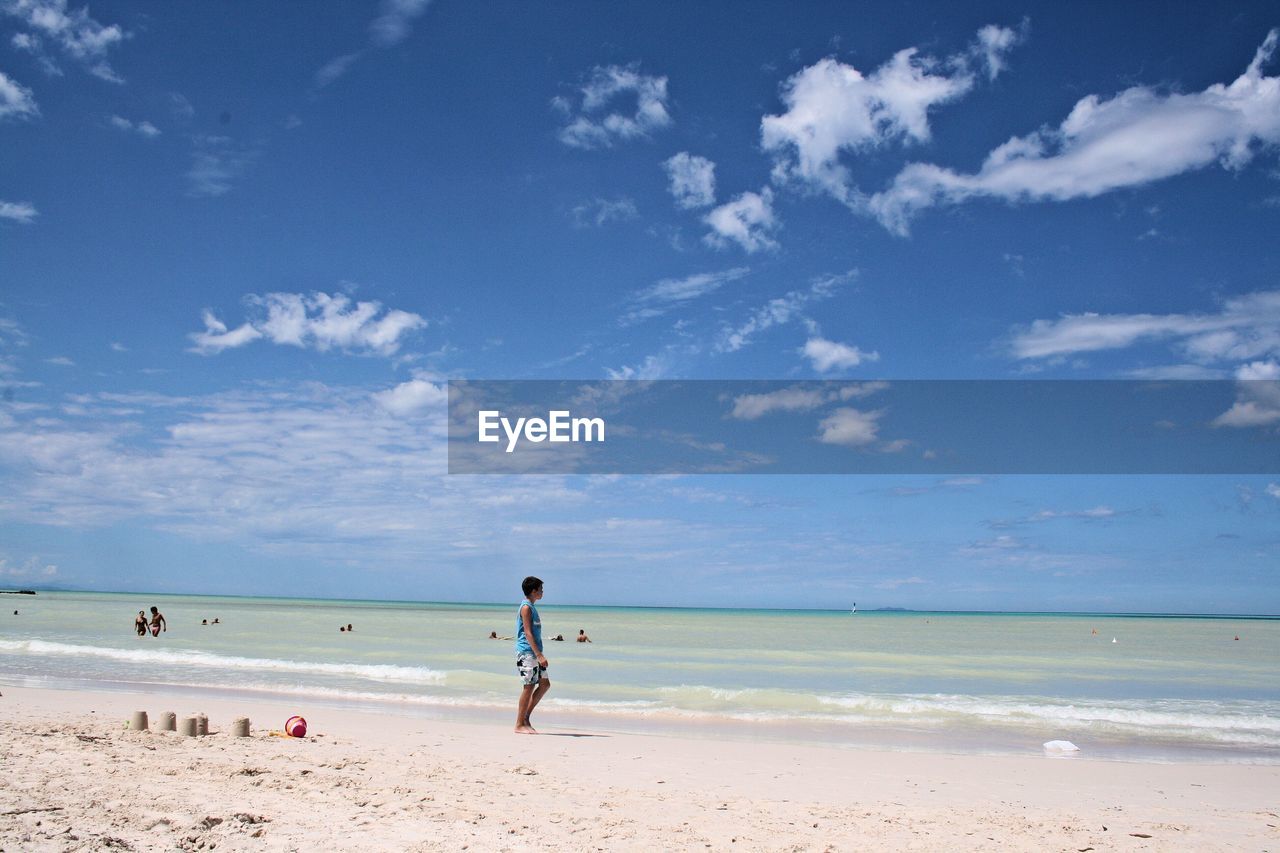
<point>530,671</point>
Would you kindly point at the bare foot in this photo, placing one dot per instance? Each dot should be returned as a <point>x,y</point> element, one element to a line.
<point>526,730</point>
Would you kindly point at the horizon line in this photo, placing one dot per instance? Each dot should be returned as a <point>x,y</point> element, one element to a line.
<point>886,609</point>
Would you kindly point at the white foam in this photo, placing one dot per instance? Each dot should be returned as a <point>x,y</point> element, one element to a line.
<point>177,657</point>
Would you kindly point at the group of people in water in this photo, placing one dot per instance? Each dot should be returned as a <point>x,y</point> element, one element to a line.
<point>155,624</point>
<point>558,638</point>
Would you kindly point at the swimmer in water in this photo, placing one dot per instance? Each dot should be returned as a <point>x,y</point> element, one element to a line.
<point>158,622</point>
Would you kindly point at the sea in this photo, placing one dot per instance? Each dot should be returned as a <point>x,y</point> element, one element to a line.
<point>1131,687</point>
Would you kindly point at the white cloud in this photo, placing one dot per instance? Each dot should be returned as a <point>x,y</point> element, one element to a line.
<point>659,298</point>
<point>1176,371</point>
<point>1273,489</point>
<point>181,106</point>
<point>1258,370</point>
<point>1094,514</point>
<point>31,568</point>
<point>850,427</point>
<point>142,128</point>
<point>593,127</point>
<point>414,397</point>
<point>832,108</point>
<point>746,220</point>
<point>334,68</point>
<point>1097,513</point>
<point>1134,138</point>
<point>77,35</point>
<point>991,46</point>
<point>779,311</point>
<point>16,100</point>
<point>749,407</point>
<point>215,337</point>
<point>1246,328</point>
<point>1257,404</point>
<point>217,161</point>
<point>829,355</point>
<point>392,26</point>
<point>693,180</point>
<point>602,211</point>
<point>309,471</point>
<point>317,321</point>
<point>60,361</point>
<point>394,23</point>
<point>653,367</point>
<point>800,398</point>
<point>18,211</point>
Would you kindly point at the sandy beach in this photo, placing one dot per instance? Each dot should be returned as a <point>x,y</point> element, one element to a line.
<point>76,779</point>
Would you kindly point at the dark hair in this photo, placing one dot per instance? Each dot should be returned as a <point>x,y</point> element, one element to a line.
<point>530,584</point>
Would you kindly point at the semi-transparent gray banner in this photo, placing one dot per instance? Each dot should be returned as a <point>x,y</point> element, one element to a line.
<point>865,427</point>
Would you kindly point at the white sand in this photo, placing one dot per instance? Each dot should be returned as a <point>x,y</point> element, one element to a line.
<point>74,779</point>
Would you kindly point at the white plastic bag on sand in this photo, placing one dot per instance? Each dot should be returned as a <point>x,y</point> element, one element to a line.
<point>1061,746</point>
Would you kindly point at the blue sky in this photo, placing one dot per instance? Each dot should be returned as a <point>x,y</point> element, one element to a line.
<point>242,248</point>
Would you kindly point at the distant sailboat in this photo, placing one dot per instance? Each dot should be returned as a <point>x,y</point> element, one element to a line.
<point>854,609</point>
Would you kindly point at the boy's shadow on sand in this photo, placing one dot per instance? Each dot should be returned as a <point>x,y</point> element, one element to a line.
<point>569,734</point>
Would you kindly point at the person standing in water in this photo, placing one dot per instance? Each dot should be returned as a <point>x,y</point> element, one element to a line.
<point>140,624</point>
<point>158,622</point>
<point>531,663</point>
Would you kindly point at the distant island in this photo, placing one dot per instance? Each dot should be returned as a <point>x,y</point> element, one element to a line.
<point>17,592</point>
<point>891,610</point>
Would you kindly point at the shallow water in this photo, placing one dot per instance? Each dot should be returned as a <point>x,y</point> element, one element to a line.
<point>1168,688</point>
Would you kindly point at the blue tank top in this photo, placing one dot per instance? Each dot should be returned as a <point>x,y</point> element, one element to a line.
<point>522,642</point>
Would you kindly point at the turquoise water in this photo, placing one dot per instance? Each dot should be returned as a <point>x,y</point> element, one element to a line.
<point>1168,687</point>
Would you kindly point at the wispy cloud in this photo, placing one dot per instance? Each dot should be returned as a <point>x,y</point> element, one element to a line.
<point>656,366</point>
<point>800,398</point>
<point>1246,327</point>
<point>318,321</point>
<point>779,311</point>
<point>601,211</point>
<point>33,568</point>
<point>72,32</point>
<point>1101,512</point>
<point>395,21</point>
<point>1137,137</point>
<point>181,107</point>
<point>692,180</point>
<point>593,125</point>
<point>335,68</point>
<point>12,336</point>
<point>659,298</point>
<point>217,161</point>
<point>16,100</point>
<point>392,26</point>
<point>747,220</point>
<point>142,128</point>
<point>18,211</point>
<point>833,109</point>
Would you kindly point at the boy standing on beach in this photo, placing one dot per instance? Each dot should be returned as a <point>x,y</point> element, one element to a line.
<point>530,662</point>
